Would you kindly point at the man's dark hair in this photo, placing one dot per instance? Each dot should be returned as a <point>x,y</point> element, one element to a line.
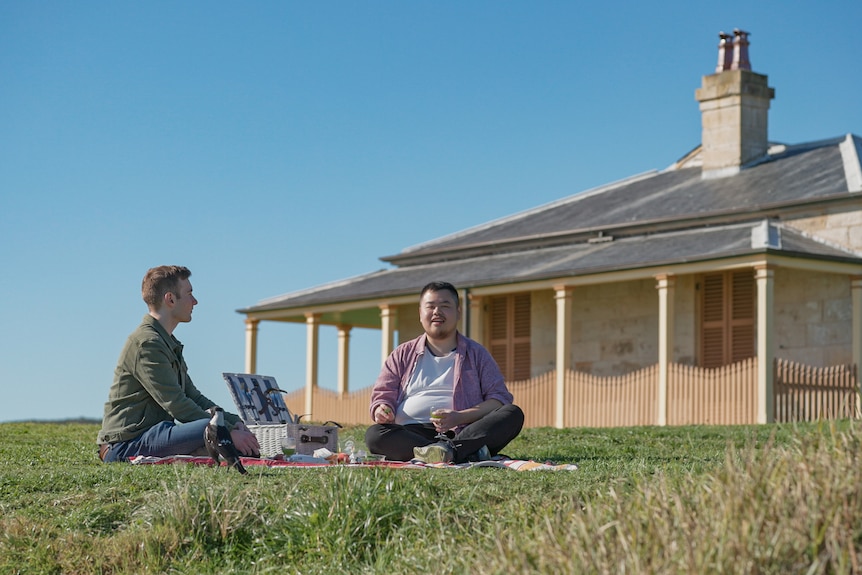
<point>441,286</point>
<point>159,281</point>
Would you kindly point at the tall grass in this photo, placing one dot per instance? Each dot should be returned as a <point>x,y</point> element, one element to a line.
<point>793,508</point>
<point>756,499</point>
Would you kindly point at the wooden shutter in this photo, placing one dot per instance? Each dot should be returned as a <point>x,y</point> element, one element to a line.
<point>520,337</point>
<point>712,323</point>
<point>499,343</point>
<point>509,331</point>
<point>727,318</point>
<point>742,344</point>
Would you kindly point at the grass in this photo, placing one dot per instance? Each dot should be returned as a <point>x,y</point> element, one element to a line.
<point>745,499</point>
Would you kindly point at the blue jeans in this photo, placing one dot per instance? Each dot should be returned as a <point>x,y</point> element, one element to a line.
<point>161,440</point>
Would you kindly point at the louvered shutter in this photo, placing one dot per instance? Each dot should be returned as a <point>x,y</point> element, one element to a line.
<point>499,318</point>
<point>712,321</point>
<point>509,330</point>
<point>521,337</point>
<point>742,316</point>
<point>727,320</point>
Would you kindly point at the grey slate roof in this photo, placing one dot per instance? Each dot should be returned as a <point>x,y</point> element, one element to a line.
<point>799,173</point>
<point>547,263</point>
<point>662,218</point>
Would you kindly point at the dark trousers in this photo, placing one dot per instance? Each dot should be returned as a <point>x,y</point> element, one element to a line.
<point>495,430</point>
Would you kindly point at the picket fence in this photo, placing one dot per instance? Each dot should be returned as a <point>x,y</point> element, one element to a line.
<point>719,396</point>
<point>805,393</point>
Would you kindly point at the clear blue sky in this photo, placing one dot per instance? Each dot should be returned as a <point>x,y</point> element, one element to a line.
<point>274,146</point>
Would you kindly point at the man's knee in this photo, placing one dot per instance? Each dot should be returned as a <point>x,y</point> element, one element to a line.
<point>372,437</point>
<point>517,413</point>
<point>512,414</point>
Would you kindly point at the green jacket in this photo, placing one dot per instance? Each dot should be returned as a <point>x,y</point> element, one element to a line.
<point>151,385</point>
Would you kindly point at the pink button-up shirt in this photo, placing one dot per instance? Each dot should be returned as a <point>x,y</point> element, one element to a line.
<point>477,377</point>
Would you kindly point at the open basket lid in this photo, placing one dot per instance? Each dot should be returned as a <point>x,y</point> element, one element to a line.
<point>258,399</point>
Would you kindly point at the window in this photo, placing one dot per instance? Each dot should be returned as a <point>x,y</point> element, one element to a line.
<point>509,330</point>
<point>727,318</point>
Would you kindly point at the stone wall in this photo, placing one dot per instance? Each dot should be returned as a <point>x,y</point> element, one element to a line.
<point>614,327</point>
<point>813,317</point>
<point>841,228</point>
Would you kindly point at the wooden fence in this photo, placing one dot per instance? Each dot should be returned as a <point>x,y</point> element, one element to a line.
<point>537,398</point>
<point>724,395</point>
<point>349,409</point>
<point>805,393</point>
<point>719,396</point>
<point>621,401</point>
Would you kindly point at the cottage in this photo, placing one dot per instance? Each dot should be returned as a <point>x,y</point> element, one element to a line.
<point>724,289</point>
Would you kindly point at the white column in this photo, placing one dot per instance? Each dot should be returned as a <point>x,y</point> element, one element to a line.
<point>388,319</point>
<point>564,297</point>
<point>765,277</point>
<point>856,338</point>
<point>251,326</point>
<point>312,325</point>
<point>665,285</point>
<point>343,358</point>
<point>477,318</point>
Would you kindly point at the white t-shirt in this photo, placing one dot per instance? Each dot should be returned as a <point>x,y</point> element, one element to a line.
<point>429,388</point>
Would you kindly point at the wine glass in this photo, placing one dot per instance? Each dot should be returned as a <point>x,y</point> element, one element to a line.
<point>435,418</point>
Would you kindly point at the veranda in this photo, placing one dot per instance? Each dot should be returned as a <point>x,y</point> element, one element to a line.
<point>719,396</point>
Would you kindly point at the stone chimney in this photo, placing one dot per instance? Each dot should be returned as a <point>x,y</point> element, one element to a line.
<point>734,105</point>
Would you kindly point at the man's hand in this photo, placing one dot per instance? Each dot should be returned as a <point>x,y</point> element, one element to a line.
<point>445,419</point>
<point>383,414</point>
<point>245,442</point>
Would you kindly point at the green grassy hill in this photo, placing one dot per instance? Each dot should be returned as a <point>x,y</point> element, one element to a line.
<point>749,499</point>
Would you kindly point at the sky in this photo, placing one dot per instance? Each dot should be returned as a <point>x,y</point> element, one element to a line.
<point>276,146</point>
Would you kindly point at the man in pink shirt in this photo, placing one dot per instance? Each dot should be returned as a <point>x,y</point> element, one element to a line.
<point>441,397</point>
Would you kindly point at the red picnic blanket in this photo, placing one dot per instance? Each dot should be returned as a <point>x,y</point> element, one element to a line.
<point>515,464</point>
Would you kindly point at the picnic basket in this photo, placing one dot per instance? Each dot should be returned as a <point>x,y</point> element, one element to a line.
<point>261,406</point>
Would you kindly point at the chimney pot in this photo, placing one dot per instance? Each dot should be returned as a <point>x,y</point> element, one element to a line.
<point>740,50</point>
<point>725,52</point>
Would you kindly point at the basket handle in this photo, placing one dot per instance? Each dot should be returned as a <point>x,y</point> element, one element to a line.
<point>321,439</point>
<point>291,418</point>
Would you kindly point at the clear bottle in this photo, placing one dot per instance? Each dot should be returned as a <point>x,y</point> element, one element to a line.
<point>349,448</point>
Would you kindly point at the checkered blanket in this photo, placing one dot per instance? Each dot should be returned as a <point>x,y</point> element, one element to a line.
<point>515,464</point>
